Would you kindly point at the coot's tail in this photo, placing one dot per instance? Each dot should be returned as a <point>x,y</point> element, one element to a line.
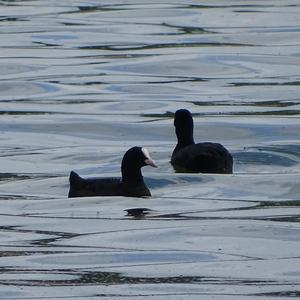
<point>75,184</point>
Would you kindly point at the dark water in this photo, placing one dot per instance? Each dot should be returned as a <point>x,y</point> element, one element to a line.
<point>82,81</point>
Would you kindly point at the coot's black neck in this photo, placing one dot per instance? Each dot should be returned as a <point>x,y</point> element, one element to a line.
<point>185,136</point>
<point>132,175</point>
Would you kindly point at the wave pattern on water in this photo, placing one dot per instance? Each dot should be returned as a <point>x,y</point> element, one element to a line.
<point>81,82</point>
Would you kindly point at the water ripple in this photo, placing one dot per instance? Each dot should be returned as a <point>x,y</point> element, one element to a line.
<point>81,82</point>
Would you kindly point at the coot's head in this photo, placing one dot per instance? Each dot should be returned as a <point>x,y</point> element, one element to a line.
<point>184,127</point>
<point>183,118</point>
<point>138,157</point>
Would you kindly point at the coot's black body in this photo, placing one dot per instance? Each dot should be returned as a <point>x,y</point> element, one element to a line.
<point>131,184</point>
<point>204,157</point>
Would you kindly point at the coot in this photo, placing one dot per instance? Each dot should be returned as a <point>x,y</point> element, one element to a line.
<point>131,183</point>
<point>204,157</point>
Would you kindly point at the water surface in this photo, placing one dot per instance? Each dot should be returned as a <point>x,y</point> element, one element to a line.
<point>81,82</point>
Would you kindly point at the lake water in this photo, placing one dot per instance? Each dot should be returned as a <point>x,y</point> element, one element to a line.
<point>83,81</point>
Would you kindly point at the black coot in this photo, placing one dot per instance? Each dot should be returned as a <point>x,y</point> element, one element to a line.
<point>131,183</point>
<point>197,158</point>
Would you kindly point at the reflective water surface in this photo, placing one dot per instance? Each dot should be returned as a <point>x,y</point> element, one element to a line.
<point>82,81</point>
